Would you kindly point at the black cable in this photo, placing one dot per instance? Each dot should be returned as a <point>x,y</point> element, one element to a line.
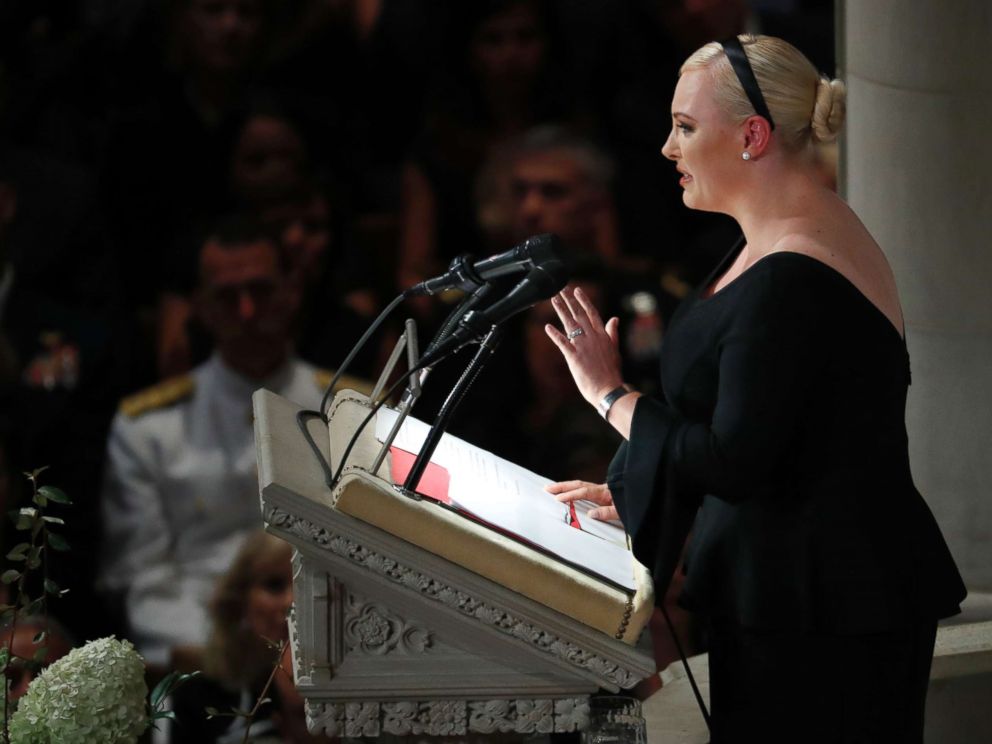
<point>688,671</point>
<point>454,399</point>
<point>357,347</point>
<point>331,478</point>
<point>303,416</point>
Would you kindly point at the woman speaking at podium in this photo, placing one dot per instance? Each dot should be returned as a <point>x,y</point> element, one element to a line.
<point>781,442</point>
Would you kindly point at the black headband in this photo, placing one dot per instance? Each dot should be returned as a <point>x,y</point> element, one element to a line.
<point>742,68</point>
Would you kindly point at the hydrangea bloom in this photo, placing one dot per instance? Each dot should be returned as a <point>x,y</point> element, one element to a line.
<point>93,694</point>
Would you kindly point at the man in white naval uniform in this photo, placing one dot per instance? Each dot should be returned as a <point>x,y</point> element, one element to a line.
<point>181,488</point>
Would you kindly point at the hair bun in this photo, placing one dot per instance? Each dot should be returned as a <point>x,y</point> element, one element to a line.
<point>829,109</point>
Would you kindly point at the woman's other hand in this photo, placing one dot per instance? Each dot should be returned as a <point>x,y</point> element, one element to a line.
<point>590,347</point>
<point>597,493</point>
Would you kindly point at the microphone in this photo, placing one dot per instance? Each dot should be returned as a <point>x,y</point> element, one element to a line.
<point>541,283</point>
<point>466,274</point>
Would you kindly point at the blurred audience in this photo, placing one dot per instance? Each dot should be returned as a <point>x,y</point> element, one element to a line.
<point>63,360</point>
<point>268,160</point>
<point>335,280</point>
<point>181,491</point>
<point>248,625</point>
<point>502,76</point>
<point>369,141</point>
<point>549,180</point>
<point>168,165</point>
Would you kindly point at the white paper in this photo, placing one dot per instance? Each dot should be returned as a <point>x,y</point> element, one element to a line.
<point>513,498</point>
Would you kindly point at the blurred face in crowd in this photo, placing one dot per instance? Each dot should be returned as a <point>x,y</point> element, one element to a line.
<point>270,597</point>
<point>703,144</point>
<point>508,48</point>
<point>551,194</point>
<point>222,35</point>
<point>304,232</point>
<point>268,159</point>
<point>246,303</point>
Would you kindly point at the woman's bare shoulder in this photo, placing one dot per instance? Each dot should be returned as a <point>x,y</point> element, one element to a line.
<point>851,251</point>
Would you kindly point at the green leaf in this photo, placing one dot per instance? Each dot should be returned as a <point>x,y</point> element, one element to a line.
<point>18,552</point>
<point>54,494</point>
<point>4,656</point>
<point>25,518</point>
<point>33,475</point>
<point>40,654</point>
<point>51,587</point>
<point>161,690</point>
<point>172,682</point>
<point>10,576</point>
<point>53,520</point>
<point>40,500</point>
<point>164,714</point>
<point>35,607</point>
<point>57,542</point>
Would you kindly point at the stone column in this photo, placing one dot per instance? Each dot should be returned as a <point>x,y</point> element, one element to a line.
<point>917,168</point>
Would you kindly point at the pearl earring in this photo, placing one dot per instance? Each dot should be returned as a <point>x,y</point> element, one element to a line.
<point>746,155</point>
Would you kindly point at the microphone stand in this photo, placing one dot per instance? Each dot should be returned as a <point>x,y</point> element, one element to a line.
<point>482,355</point>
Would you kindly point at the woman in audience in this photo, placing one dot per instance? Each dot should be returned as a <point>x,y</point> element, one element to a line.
<point>247,642</point>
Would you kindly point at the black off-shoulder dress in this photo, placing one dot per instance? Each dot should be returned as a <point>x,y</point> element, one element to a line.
<point>781,443</point>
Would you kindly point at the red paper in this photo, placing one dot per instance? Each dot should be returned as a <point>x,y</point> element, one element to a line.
<point>573,518</point>
<point>435,481</point>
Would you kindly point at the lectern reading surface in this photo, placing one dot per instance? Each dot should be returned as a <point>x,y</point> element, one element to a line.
<point>410,619</point>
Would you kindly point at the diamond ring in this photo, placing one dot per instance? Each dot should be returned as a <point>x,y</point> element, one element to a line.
<point>575,333</point>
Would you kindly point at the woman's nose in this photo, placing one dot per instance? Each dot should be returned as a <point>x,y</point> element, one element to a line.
<point>669,150</point>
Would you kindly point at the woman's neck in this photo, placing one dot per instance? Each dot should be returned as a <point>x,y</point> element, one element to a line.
<point>776,202</point>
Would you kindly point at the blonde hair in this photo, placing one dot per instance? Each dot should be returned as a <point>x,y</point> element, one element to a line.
<point>808,108</point>
<point>234,654</point>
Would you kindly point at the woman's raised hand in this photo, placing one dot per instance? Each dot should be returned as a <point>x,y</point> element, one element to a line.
<point>597,493</point>
<point>590,347</point>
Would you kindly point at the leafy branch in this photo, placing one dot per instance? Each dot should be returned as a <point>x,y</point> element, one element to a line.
<point>33,554</point>
<point>263,696</point>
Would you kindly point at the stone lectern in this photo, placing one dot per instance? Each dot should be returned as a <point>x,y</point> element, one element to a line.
<point>411,620</point>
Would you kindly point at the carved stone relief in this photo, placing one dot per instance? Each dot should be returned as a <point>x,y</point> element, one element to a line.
<point>373,628</point>
<point>448,717</point>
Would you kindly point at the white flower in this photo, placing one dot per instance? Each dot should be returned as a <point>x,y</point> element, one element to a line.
<point>93,694</point>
